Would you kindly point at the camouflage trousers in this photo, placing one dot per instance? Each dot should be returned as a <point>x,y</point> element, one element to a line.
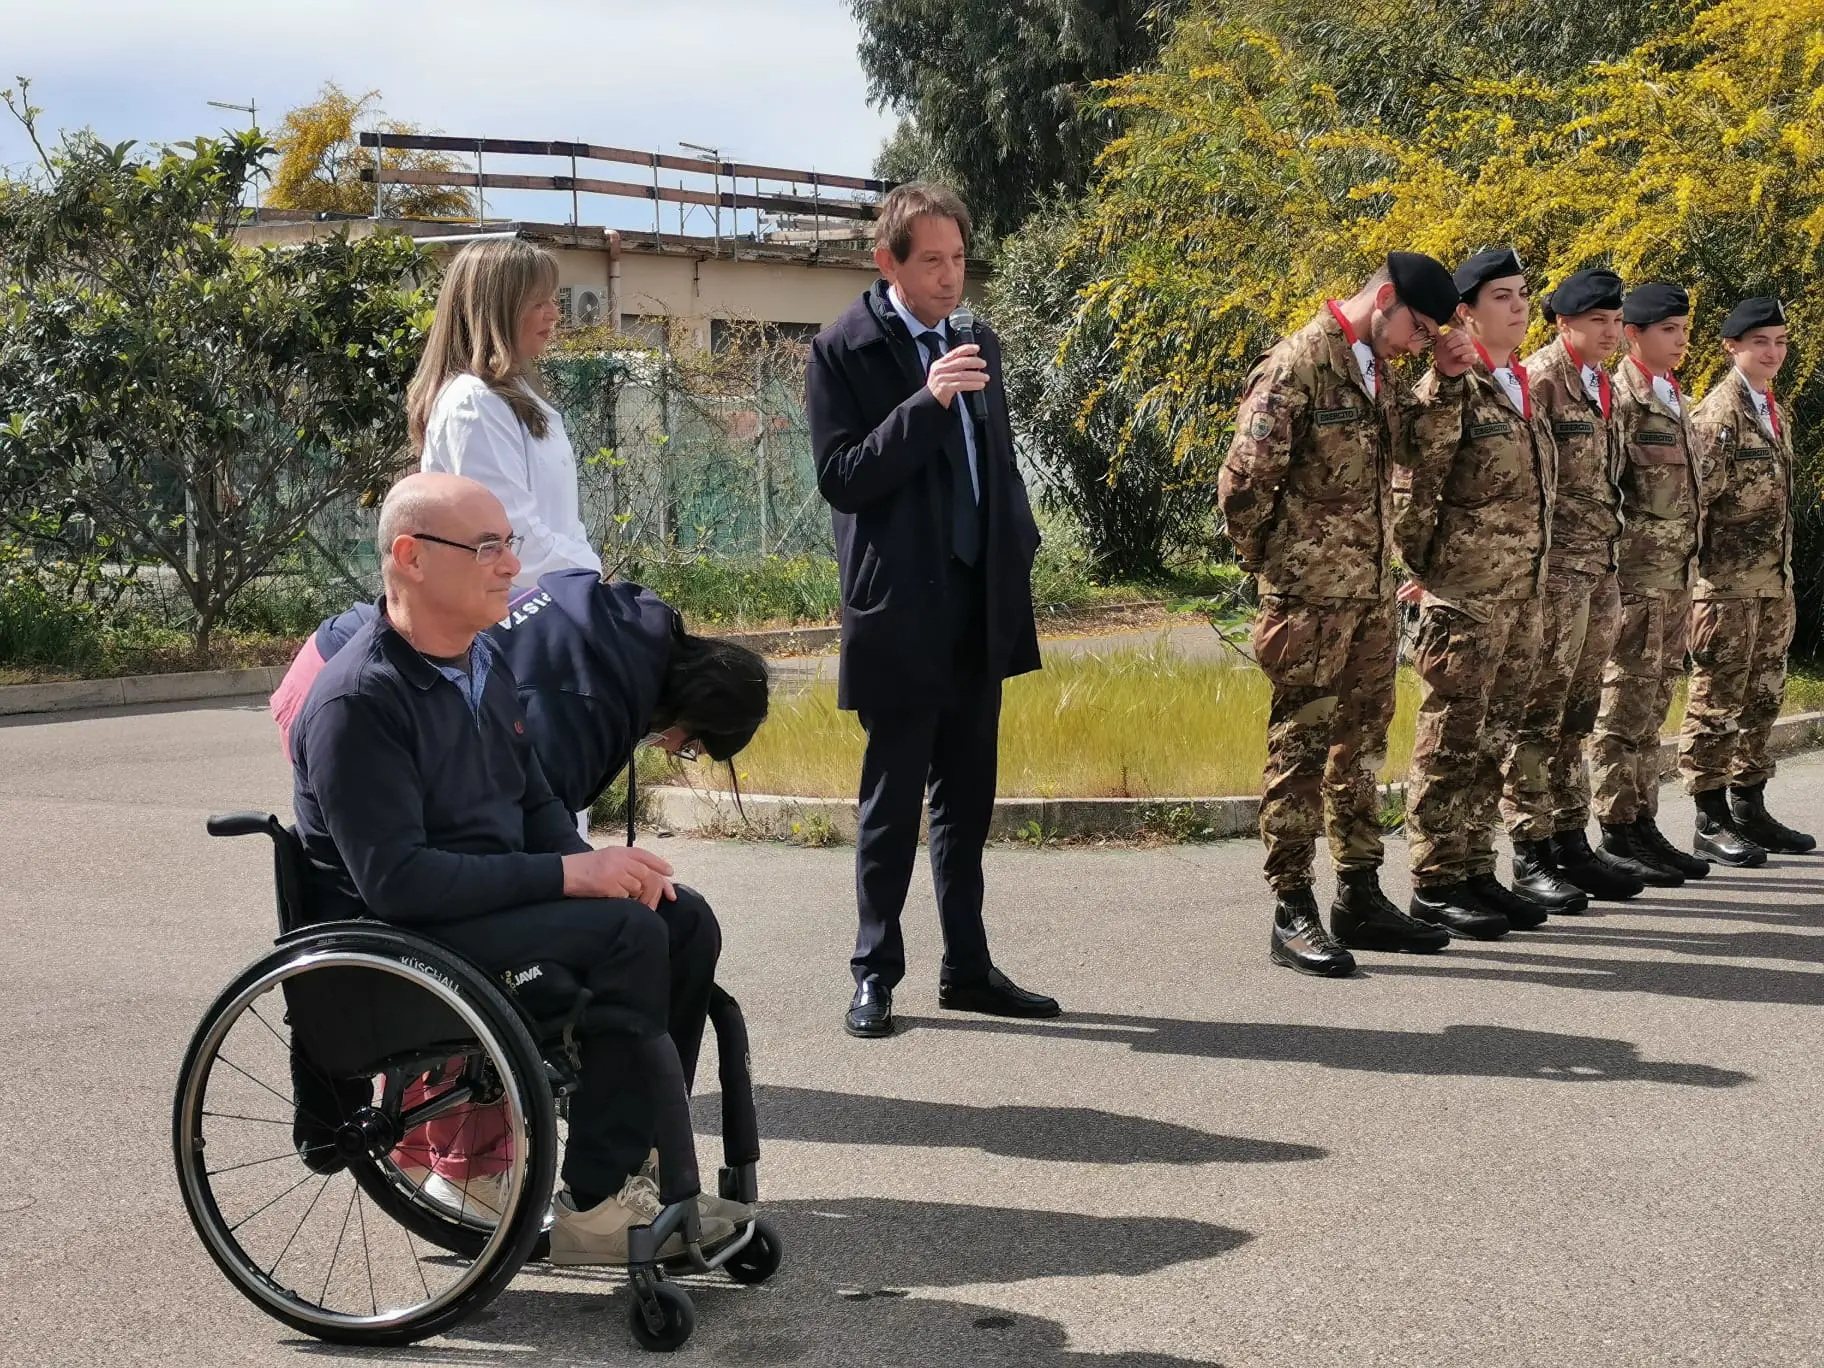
<point>1331,664</point>
<point>1738,682</point>
<point>1637,687</point>
<point>1579,617</point>
<point>1475,672</point>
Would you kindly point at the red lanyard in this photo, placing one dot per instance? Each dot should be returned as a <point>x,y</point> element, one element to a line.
<point>1348,335</point>
<point>1602,376</point>
<point>1526,390</point>
<point>1671,380</point>
<point>1773,411</point>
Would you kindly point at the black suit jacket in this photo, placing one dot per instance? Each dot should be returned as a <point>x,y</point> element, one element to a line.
<point>881,444</point>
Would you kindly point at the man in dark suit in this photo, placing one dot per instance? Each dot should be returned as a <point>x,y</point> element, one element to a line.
<point>935,539</point>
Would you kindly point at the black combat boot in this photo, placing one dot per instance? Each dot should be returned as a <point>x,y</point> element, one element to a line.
<point>1596,872</point>
<point>1619,841</point>
<point>1364,919</point>
<point>1300,941</point>
<point>1522,914</point>
<point>1458,911</point>
<point>1648,837</point>
<point>1748,805</point>
<point>1537,879</point>
<point>1719,838</point>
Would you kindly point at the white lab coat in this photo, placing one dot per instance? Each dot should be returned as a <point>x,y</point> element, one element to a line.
<point>473,432</point>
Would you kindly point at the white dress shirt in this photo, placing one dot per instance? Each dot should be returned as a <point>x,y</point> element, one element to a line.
<point>472,431</point>
<point>929,351</point>
<point>1592,384</point>
<point>1763,411</point>
<point>1510,386</point>
<point>1668,394</point>
<point>1364,357</point>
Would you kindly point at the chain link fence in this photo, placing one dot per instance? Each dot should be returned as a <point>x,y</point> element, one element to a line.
<point>681,454</point>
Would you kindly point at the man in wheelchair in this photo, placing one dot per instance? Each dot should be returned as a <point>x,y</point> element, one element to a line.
<point>420,800</point>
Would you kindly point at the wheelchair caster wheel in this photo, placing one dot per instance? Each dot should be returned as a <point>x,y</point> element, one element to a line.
<point>662,1319</point>
<point>759,1259</point>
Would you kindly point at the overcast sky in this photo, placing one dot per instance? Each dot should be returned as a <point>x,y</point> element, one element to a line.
<point>773,81</point>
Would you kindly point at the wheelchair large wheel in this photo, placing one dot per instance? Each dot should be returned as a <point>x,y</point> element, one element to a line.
<point>291,1106</point>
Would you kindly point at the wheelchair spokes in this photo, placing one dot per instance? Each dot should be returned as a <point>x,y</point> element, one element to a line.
<point>318,1188</point>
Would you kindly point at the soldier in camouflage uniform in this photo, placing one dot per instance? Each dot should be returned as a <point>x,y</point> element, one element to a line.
<point>1473,507</point>
<point>1662,508</point>
<point>1553,862</point>
<point>1743,617</point>
<point>1304,493</point>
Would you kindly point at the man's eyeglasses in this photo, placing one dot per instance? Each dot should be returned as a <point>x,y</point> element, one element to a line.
<point>487,550</point>
<point>690,750</point>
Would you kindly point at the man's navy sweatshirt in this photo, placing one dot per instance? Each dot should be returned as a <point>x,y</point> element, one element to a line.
<point>414,805</point>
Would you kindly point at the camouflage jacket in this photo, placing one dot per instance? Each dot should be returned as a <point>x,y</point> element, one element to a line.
<point>1746,550</point>
<point>1586,512</point>
<point>1473,492</point>
<point>1662,492</point>
<point>1304,488</point>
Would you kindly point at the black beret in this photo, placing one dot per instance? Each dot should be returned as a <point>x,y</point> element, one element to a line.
<point>1492,263</point>
<point>1763,311</point>
<point>1581,291</point>
<point>1422,284</point>
<point>1655,303</point>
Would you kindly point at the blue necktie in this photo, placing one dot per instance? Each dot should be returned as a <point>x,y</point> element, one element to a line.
<point>965,516</point>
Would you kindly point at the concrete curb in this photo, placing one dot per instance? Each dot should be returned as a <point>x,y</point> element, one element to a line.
<point>183,686</point>
<point>820,820</point>
<point>808,640</point>
<point>135,690</point>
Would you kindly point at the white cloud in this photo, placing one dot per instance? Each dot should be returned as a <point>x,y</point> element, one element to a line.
<point>774,81</point>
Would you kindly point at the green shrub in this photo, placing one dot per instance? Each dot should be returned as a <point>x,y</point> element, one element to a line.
<point>744,591</point>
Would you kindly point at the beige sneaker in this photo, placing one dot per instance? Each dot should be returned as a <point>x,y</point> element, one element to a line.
<point>710,1207</point>
<point>599,1235</point>
<point>482,1198</point>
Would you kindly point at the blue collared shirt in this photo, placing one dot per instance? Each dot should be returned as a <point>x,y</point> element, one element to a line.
<point>472,682</point>
<point>931,351</point>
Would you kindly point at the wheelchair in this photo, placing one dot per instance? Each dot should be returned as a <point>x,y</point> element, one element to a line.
<point>312,1081</point>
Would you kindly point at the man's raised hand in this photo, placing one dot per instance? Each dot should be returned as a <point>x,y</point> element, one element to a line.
<point>618,872</point>
<point>957,371</point>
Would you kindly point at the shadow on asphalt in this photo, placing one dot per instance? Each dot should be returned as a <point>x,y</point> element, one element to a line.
<point>1709,981</point>
<point>842,1295</point>
<point>1078,1135</point>
<point>1799,947</point>
<point>1467,1051</point>
<point>237,703</point>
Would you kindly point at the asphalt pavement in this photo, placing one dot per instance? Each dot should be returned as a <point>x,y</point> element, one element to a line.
<point>1595,1144</point>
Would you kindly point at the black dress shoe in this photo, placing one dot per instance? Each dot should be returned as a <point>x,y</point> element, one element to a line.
<point>1522,914</point>
<point>1536,878</point>
<point>870,1010</point>
<point>1619,841</point>
<point>1363,918</point>
<point>996,995</point>
<point>1596,872</point>
<point>1748,806</point>
<point>1458,911</point>
<point>1649,838</point>
<point>1300,941</point>
<point>1718,838</point>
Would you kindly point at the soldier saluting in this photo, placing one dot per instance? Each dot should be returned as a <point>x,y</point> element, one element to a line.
<point>1553,862</point>
<point>1305,494</point>
<point>1473,496</point>
<point>1662,511</point>
<point>1743,617</point>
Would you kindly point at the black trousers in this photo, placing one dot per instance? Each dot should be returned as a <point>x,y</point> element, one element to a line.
<point>949,753</point>
<point>651,971</point>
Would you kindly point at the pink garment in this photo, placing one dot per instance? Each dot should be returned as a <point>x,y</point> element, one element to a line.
<point>288,699</point>
<point>470,1142</point>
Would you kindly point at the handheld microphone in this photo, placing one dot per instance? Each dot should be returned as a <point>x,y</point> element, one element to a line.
<point>962,329</point>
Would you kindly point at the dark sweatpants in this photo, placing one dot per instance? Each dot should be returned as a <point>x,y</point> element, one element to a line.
<point>651,972</point>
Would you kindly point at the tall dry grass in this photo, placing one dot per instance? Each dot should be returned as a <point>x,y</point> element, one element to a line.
<point>1140,724</point>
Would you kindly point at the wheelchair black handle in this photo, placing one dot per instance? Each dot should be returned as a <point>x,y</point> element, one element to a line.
<point>243,824</point>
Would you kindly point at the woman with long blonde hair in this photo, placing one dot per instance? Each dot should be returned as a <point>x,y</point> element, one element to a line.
<point>476,406</point>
